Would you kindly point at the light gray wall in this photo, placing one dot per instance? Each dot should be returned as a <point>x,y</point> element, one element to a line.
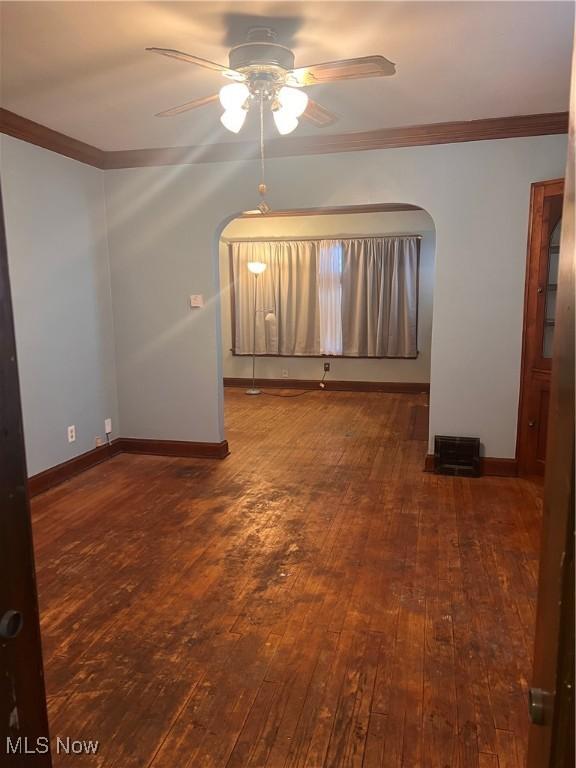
<point>164,226</point>
<point>400,222</point>
<point>164,229</point>
<point>59,272</point>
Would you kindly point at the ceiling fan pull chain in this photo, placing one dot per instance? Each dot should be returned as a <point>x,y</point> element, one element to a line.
<point>263,207</point>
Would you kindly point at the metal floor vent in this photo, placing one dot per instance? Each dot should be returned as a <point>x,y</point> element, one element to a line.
<point>457,456</point>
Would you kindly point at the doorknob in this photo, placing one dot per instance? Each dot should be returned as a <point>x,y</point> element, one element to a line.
<point>531,423</point>
<point>537,701</point>
<point>11,624</point>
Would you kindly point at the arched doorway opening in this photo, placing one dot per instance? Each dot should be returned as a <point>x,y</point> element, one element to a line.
<point>367,371</point>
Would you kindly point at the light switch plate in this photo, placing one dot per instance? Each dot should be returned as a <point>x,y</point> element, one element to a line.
<point>196,300</point>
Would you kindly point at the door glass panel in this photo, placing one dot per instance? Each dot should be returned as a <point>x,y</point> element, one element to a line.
<point>551,290</point>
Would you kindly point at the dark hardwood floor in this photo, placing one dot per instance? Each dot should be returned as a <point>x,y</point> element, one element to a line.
<point>313,600</point>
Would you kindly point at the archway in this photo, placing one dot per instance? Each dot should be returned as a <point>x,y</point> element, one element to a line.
<point>308,372</point>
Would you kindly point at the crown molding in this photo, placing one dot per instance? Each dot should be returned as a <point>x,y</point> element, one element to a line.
<point>386,138</point>
<point>27,130</point>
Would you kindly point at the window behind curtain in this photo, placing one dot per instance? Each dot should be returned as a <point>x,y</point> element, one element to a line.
<point>353,297</point>
<point>330,296</point>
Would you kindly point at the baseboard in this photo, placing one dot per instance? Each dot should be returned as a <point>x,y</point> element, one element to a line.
<point>61,472</point>
<point>409,387</point>
<point>488,466</point>
<point>182,448</point>
<point>43,481</point>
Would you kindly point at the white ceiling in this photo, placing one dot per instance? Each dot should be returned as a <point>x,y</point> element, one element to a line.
<point>80,67</point>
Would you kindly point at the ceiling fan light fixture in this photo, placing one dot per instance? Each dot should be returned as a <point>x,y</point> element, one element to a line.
<point>233,96</point>
<point>293,100</point>
<point>285,121</point>
<point>233,119</point>
<point>262,69</point>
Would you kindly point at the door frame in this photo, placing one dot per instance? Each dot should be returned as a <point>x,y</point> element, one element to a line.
<point>551,735</point>
<point>23,710</point>
<point>537,195</point>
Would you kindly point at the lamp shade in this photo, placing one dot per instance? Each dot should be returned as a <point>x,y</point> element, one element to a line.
<point>292,100</point>
<point>256,267</point>
<point>285,121</point>
<point>233,119</point>
<point>233,95</point>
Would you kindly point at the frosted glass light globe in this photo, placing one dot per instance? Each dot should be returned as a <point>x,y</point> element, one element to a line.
<point>233,95</point>
<point>285,121</point>
<point>292,100</point>
<point>233,119</point>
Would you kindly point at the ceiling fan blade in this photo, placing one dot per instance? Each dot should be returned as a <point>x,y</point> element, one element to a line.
<point>318,115</point>
<point>173,54</point>
<point>344,69</point>
<point>194,104</point>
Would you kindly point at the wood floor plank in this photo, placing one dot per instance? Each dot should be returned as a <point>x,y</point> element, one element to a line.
<point>375,741</point>
<point>440,724</point>
<point>254,726</point>
<point>322,726</point>
<point>487,760</point>
<point>313,601</point>
<point>350,728</point>
<point>313,703</point>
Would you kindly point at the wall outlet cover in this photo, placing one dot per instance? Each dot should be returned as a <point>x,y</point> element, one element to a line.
<point>71,433</point>
<point>108,426</point>
<point>326,367</point>
<point>284,373</point>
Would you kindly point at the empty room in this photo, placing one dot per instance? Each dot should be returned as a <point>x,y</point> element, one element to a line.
<point>287,384</point>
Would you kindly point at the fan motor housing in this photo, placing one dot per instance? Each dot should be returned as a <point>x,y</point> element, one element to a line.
<point>261,55</point>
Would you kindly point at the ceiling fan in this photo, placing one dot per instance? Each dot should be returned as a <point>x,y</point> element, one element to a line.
<point>262,72</point>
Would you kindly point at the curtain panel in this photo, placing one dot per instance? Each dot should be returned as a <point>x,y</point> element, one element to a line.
<point>287,310</point>
<point>380,297</point>
<point>353,297</point>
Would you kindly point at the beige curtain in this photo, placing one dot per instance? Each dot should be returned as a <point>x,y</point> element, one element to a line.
<point>351,297</point>
<point>287,315</point>
<point>380,297</point>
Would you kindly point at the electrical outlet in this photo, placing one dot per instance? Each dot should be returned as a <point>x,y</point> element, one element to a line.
<point>98,441</point>
<point>108,426</point>
<point>71,433</point>
<point>284,373</point>
<point>326,367</point>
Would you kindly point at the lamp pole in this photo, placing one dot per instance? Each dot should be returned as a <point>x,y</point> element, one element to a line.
<point>256,267</point>
<point>253,390</point>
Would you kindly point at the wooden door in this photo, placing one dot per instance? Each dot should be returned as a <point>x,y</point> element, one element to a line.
<point>539,324</point>
<point>551,739</point>
<point>23,719</point>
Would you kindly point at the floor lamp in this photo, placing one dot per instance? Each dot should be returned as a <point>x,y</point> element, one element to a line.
<point>256,267</point>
